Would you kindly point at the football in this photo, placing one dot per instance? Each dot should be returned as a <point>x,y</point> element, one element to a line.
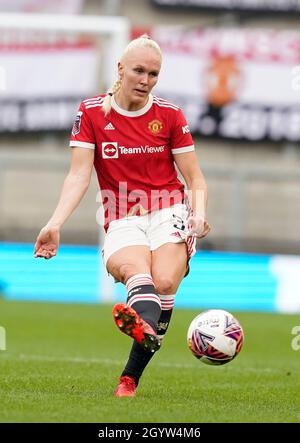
<point>215,337</point>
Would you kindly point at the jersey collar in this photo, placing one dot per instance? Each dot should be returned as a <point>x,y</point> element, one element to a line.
<point>141,111</point>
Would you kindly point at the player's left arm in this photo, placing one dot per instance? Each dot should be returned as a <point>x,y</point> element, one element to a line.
<point>189,168</point>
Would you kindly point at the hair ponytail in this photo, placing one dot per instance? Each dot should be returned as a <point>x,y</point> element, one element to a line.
<point>107,100</point>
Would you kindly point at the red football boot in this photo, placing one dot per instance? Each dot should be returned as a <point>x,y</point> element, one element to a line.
<point>126,387</point>
<point>129,322</point>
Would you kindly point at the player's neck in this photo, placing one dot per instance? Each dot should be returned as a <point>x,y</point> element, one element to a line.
<point>125,103</point>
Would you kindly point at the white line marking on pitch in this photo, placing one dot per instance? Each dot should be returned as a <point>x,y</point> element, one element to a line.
<point>108,361</point>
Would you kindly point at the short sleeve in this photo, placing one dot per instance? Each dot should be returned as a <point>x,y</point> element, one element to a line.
<point>181,139</point>
<point>82,134</point>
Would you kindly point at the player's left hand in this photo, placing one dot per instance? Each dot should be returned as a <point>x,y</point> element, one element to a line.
<point>197,227</point>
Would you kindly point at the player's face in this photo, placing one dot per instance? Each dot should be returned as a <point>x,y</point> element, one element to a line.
<point>138,71</point>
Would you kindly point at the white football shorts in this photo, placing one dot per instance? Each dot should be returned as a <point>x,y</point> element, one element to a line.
<point>168,225</point>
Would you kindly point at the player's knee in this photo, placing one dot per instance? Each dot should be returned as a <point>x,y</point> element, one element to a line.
<point>126,271</point>
<point>164,285</point>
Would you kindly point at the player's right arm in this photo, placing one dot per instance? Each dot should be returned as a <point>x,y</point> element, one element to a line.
<point>73,190</point>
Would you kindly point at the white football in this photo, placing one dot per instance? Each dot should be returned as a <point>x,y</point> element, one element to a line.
<point>215,337</point>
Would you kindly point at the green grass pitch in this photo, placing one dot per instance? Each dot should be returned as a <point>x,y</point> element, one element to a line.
<point>63,361</point>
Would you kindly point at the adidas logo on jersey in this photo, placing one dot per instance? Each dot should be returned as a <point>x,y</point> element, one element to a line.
<point>109,127</point>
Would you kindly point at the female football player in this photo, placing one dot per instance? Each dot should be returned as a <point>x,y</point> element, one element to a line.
<point>134,139</point>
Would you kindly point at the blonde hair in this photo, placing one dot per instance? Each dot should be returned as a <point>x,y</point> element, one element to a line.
<point>144,41</point>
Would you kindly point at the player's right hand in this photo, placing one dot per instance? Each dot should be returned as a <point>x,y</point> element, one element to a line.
<point>47,243</point>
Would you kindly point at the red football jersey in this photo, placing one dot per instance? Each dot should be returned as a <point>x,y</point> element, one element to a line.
<point>134,154</point>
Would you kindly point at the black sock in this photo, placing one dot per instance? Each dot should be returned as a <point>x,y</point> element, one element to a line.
<point>142,297</point>
<point>138,357</point>
<point>167,304</point>
<point>137,361</point>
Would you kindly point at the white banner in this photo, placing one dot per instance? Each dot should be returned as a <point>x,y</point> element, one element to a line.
<point>38,71</point>
<point>247,5</point>
<point>47,6</point>
<point>233,83</point>
<point>42,84</point>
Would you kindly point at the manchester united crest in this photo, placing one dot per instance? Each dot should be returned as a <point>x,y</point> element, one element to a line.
<point>224,79</point>
<point>155,126</point>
